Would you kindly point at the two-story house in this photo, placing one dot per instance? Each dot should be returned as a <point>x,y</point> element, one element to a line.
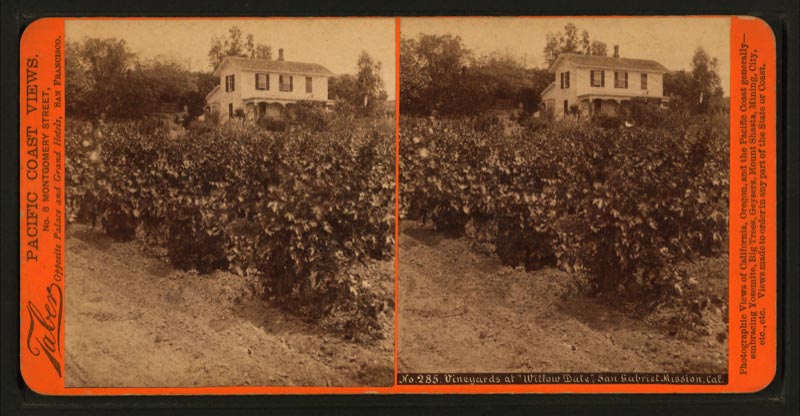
<point>600,84</point>
<point>265,88</point>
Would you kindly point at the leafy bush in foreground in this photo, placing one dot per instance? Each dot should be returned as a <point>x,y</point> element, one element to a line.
<point>617,204</point>
<point>293,208</point>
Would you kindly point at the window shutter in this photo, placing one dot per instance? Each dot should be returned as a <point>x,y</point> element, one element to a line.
<point>603,78</point>
<point>626,80</point>
<point>233,83</point>
<point>267,82</point>
<point>291,83</point>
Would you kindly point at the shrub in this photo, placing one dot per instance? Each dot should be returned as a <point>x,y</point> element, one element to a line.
<point>273,124</point>
<point>616,205</point>
<point>607,121</point>
<point>310,116</point>
<point>644,113</point>
<point>295,211</point>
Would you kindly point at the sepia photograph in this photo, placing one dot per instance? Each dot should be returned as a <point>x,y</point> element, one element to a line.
<point>564,187</point>
<point>230,202</point>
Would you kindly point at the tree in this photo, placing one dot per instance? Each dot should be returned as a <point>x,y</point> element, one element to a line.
<point>435,77</point>
<point>370,85</point>
<point>414,79</point>
<point>705,72</point>
<point>344,89</point>
<point>237,44</point>
<point>697,91</point>
<point>570,41</point>
<point>107,79</point>
<point>98,70</point>
<point>363,93</point>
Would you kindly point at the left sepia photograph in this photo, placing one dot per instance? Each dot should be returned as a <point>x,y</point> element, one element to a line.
<point>230,202</point>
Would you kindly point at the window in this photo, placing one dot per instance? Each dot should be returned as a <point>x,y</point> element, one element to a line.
<point>229,83</point>
<point>565,80</point>
<point>620,80</point>
<point>286,83</point>
<point>309,86</point>
<point>598,78</point>
<point>230,110</point>
<point>262,82</point>
<point>566,107</point>
<point>644,81</point>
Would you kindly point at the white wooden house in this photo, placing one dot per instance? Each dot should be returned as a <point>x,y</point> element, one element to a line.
<point>265,88</point>
<point>600,84</point>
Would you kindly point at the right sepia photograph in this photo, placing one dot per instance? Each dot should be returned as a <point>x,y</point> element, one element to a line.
<point>564,194</point>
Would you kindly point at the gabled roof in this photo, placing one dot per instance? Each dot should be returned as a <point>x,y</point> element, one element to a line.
<point>212,92</point>
<point>274,66</point>
<point>608,62</point>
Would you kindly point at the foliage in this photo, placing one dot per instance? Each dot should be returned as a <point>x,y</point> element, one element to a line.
<point>309,115</point>
<point>440,76</point>
<point>237,44</point>
<point>570,41</point>
<point>698,91</point>
<point>106,79</point>
<point>617,204</point>
<point>363,94</point>
<point>293,212</point>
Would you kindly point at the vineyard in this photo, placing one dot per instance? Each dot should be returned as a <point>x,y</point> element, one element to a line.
<point>621,207</point>
<point>294,209</point>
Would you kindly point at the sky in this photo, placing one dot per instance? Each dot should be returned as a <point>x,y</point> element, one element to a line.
<point>669,40</point>
<point>334,43</point>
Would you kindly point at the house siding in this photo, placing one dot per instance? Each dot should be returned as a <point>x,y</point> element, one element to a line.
<point>655,82</point>
<point>245,89</point>
<point>319,91</point>
<point>580,85</point>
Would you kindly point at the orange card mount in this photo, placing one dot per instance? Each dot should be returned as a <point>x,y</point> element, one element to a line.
<point>752,285</point>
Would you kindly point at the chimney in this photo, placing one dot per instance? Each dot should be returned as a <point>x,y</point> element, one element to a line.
<point>616,52</point>
<point>280,54</point>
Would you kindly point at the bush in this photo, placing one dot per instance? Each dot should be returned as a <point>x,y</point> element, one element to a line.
<point>293,211</point>
<point>273,124</point>
<point>644,113</point>
<point>310,116</point>
<point>607,121</point>
<point>616,205</point>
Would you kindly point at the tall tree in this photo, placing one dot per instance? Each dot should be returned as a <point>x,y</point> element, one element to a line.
<point>237,43</point>
<point>370,85</point>
<point>698,90</point>
<point>434,75</point>
<point>571,40</point>
<point>98,70</point>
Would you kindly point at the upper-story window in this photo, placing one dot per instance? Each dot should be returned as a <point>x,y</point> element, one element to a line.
<point>565,80</point>
<point>229,83</point>
<point>620,80</point>
<point>644,81</point>
<point>309,85</point>
<point>286,83</point>
<point>262,82</point>
<point>598,78</point>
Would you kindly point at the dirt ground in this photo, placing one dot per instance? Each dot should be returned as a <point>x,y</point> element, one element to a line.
<point>134,321</point>
<point>462,311</point>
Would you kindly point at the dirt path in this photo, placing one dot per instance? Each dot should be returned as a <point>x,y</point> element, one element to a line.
<point>460,311</point>
<point>133,321</point>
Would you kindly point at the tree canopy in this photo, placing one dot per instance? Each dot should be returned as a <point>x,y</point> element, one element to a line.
<point>571,41</point>
<point>439,75</point>
<point>237,43</point>
<point>105,77</point>
<point>363,93</point>
<point>698,90</point>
